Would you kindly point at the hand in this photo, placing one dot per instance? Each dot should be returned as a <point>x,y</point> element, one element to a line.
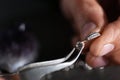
<point>89,16</point>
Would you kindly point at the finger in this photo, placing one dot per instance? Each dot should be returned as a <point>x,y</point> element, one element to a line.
<point>93,16</point>
<point>115,57</point>
<point>88,16</point>
<point>96,61</point>
<point>109,40</point>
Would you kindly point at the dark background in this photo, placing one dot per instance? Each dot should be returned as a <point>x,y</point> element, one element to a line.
<point>46,22</point>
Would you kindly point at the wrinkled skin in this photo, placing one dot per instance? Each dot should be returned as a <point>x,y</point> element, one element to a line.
<point>92,16</point>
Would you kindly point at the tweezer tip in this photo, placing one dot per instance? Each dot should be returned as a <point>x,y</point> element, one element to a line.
<point>79,45</point>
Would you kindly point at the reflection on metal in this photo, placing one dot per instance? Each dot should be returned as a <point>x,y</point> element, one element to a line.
<point>36,71</point>
<point>92,36</point>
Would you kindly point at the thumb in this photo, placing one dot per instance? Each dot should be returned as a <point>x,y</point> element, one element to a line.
<point>90,17</point>
<point>87,15</point>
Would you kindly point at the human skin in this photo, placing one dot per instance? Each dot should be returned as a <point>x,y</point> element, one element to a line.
<point>89,16</point>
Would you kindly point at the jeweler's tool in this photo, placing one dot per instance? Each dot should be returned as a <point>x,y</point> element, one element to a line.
<point>36,71</point>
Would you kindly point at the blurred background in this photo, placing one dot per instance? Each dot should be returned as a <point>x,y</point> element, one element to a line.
<point>44,19</point>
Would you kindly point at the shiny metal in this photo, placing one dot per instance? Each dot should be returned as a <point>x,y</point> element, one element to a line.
<point>47,63</point>
<point>36,71</point>
<point>92,36</point>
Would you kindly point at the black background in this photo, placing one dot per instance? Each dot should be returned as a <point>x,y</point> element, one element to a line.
<point>46,22</point>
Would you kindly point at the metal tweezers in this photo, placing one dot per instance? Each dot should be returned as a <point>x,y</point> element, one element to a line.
<point>36,71</point>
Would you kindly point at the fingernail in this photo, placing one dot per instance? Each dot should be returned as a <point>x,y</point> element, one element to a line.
<point>100,62</point>
<point>106,49</point>
<point>86,29</point>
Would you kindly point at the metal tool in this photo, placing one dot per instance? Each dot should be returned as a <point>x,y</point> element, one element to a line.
<point>36,71</point>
